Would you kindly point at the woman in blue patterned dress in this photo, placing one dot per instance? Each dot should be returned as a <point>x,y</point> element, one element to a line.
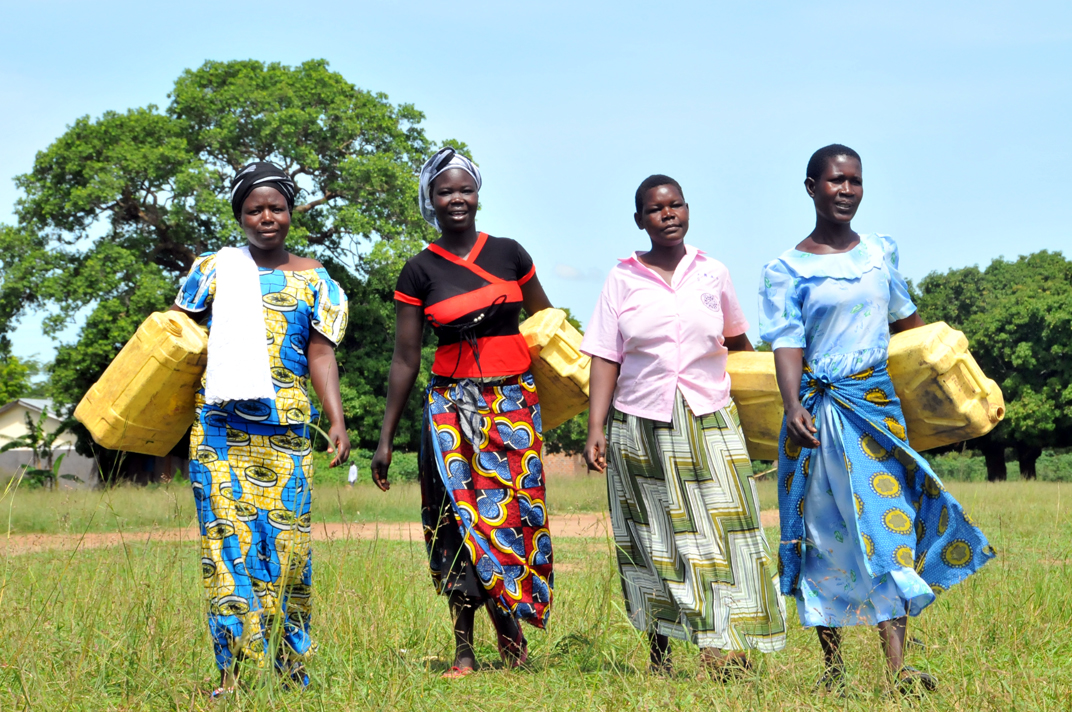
<point>869,534</point>
<point>250,457</point>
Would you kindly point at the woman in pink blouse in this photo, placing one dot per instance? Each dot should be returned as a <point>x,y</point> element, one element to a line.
<point>694,561</point>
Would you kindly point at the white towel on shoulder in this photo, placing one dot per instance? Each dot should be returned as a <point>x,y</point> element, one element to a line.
<point>238,365</point>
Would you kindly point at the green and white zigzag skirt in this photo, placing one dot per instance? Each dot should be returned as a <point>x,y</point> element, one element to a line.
<point>693,558</point>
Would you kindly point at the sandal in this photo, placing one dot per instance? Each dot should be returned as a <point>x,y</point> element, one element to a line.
<point>457,673</point>
<point>293,675</point>
<point>221,692</point>
<point>663,669</point>
<point>834,682</point>
<point>910,680</point>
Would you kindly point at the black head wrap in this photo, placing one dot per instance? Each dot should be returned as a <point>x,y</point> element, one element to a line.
<point>254,176</point>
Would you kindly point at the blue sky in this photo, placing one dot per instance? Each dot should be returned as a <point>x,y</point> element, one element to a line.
<point>960,111</point>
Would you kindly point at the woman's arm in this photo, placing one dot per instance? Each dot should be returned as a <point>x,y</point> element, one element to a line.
<point>604,378</point>
<point>533,296</point>
<point>909,322</point>
<point>737,343</point>
<point>324,373</point>
<point>789,365</point>
<point>405,364</point>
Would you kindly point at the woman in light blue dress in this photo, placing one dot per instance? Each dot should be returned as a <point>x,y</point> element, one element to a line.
<point>869,534</point>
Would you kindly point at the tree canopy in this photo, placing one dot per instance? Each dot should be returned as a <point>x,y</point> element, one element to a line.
<point>14,378</point>
<point>116,209</point>
<point>1018,318</point>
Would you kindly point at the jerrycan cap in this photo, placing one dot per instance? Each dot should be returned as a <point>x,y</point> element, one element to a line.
<point>173,326</point>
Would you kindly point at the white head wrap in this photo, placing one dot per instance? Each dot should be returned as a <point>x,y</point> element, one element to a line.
<point>443,160</point>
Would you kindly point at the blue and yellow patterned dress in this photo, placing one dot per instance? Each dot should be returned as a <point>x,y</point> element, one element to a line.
<point>249,465</point>
<point>869,533</point>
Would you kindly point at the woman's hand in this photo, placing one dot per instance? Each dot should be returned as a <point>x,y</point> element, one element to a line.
<point>409,327</point>
<point>338,443</point>
<point>381,461</point>
<point>602,381</point>
<point>799,425</point>
<point>595,451</point>
<point>324,373</point>
<point>789,366</point>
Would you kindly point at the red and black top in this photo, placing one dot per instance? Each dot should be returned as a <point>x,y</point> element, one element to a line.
<point>473,306</point>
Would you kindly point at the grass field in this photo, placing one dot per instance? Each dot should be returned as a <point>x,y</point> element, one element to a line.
<point>123,628</point>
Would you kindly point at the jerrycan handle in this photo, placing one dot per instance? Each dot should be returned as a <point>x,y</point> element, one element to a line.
<point>975,374</point>
<point>568,347</point>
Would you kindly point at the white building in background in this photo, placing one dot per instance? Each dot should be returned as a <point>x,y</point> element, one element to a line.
<point>13,425</point>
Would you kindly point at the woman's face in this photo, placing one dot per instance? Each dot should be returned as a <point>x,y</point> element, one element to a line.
<point>455,198</point>
<point>665,215</point>
<point>266,218</point>
<point>838,191</point>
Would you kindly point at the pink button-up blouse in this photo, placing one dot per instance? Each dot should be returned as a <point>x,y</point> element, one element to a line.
<point>667,337</point>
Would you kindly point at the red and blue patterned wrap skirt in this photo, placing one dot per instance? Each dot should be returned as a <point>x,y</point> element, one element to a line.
<point>481,454</point>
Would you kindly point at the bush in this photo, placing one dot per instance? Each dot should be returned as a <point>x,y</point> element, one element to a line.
<point>971,467</point>
<point>765,467</point>
<point>1054,467</point>
<point>960,467</point>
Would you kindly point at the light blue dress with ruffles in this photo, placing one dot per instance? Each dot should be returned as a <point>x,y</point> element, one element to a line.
<point>837,308</point>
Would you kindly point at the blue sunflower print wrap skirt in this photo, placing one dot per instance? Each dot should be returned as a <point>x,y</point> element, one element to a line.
<point>869,533</point>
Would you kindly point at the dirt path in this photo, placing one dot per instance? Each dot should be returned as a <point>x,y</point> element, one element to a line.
<point>570,526</point>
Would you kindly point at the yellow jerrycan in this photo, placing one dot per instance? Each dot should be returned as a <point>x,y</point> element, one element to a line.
<point>944,394</point>
<point>560,369</point>
<point>144,400</point>
<point>754,387</point>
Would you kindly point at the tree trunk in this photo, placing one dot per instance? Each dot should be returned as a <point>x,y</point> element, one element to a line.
<point>1028,456</point>
<point>995,461</point>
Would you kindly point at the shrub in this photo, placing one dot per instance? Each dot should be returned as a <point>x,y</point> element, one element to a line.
<point>959,467</point>
<point>970,466</point>
<point>1054,467</point>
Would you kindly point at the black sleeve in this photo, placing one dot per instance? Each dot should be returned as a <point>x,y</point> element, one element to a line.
<point>412,285</point>
<point>524,265</point>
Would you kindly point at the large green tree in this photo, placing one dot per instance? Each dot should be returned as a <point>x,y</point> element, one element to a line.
<point>117,208</point>
<point>1018,317</point>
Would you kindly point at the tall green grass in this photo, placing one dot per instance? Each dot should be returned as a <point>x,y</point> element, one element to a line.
<point>123,629</point>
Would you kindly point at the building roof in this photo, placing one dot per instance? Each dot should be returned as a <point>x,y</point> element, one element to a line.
<point>35,404</point>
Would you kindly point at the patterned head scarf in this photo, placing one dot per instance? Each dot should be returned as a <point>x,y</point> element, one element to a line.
<point>255,175</point>
<point>443,160</point>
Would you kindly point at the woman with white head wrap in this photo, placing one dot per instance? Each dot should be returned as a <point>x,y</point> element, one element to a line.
<point>444,160</point>
<point>481,473</point>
